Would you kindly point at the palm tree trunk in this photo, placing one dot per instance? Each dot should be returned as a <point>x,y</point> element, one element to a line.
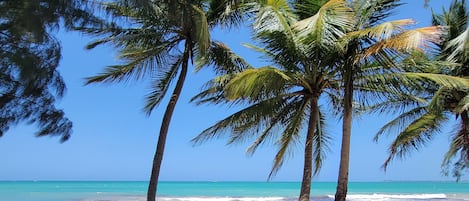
<point>308,163</point>
<point>158,158</point>
<point>342,181</point>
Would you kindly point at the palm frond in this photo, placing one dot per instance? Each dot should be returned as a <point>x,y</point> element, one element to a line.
<point>459,146</point>
<point>202,31</point>
<point>226,13</point>
<point>463,105</point>
<point>256,84</point>
<point>330,23</point>
<point>401,121</point>
<point>141,63</point>
<point>441,79</point>
<point>321,142</point>
<point>242,124</point>
<point>382,31</point>
<point>289,136</point>
<point>408,41</point>
<point>272,15</point>
<point>160,86</point>
<point>460,46</point>
<point>223,60</point>
<point>417,134</point>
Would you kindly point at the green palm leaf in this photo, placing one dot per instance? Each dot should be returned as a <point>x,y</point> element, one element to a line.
<point>160,86</point>
<point>416,135</point>
<point>257,84</point>
<point>330,23</point>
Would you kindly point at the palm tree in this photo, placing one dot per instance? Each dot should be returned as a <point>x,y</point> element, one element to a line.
<point>283,97</point>
<point>149,40</point>
<point>372,44</point>
<point>368,43</point>
<point>434,106</point>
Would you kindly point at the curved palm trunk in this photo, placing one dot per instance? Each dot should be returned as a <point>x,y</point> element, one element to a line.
<point>158,158</point>
<point>308,163</point>
<point>342,181</point>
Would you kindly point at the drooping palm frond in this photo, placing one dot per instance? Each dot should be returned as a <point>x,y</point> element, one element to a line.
<point>290,135</point>
<point>202,31</point>
<point>160,86</point>
<point>372,12</point>
<point>408,41</point>
<point>331,23</point>
<point>271,15</point>
<point>459,47</point>
<point>457,156</point>
<point>381,31</point>
<point>223,60</point>
<point>452,82</point>
<point>463,105</point>
<point>401,121</point>
<point>226,13</point>
<point>143,63</point>
<point>251,118</point>
<point>321,143</point>
<point>416,135</point>
<point>257,84</point>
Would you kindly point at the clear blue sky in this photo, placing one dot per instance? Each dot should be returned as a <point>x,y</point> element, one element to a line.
<point>114,140</point>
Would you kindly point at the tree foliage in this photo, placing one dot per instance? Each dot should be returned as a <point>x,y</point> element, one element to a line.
<point>30,82</point>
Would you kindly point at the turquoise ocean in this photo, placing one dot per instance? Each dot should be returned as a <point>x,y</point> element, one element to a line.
<point>227,191</point>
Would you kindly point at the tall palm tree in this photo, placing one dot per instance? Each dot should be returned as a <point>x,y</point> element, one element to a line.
<point>433,108</point>
<point>369,42</point>
<point>372,43</point>
<point>157,40</point>
<point>283,97</point>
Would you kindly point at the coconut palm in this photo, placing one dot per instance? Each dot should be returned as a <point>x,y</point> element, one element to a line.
<point>157,40</point>
<point>371,49</point>
<point>436,104</point>
<point>283,97</point>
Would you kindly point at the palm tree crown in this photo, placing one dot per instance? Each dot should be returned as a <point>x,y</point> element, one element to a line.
<point>158,40</point>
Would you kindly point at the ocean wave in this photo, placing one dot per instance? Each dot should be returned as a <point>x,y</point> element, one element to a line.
<point>350,197</point>
<point>377,196</point>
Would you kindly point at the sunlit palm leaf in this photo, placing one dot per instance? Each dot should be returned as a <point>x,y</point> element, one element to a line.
<point>330,23</point>
<point>408,41</point>
<point>463,105</point>
<point>272,15</point>
<point>202,31</point>
<point>460,46</point>
<point>223,60</point>
<point>442,80</point>
<point>256,84</point>
<point>382,31</point>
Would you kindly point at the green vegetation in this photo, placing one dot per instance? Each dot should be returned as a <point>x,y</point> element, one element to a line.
<point>149,35</point>
<point>30,82</point>
<point>336,51</point>
<point>434,105</point>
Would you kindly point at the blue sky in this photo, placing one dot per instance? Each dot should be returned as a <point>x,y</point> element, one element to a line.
<point>114,140</point>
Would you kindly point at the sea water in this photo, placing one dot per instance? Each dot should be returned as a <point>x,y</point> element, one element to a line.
<point>228,191</point>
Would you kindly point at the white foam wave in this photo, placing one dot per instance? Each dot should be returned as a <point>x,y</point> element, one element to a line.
<point>393,196</point>
<point>222,199</point>
<point>350,197</point>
